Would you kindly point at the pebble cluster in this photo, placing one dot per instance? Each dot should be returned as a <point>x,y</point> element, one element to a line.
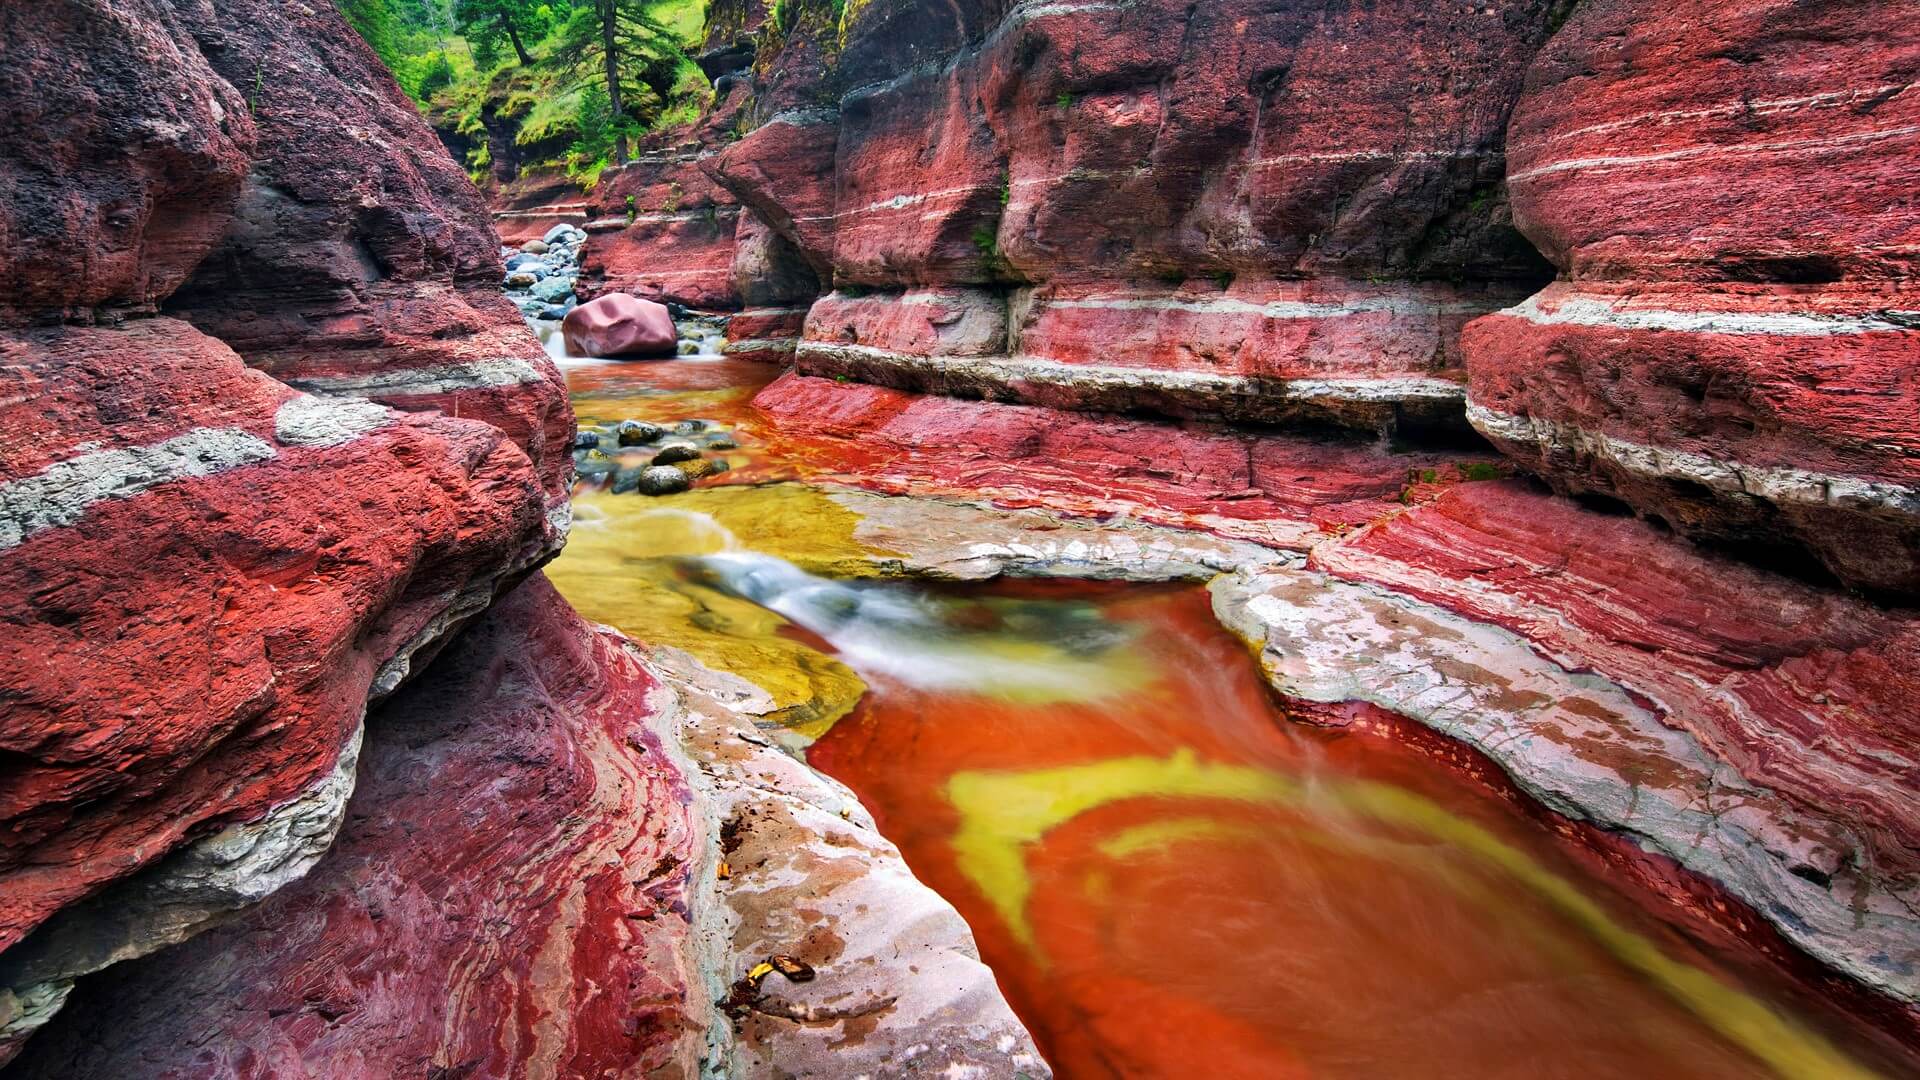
<point>540,273</point>
<point>636,456</point>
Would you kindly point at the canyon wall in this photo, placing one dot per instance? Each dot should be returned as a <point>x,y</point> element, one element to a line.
<point>1208,211</point>
<point>229,252</point>
<point>271,439</point>
<point>1731,349</point>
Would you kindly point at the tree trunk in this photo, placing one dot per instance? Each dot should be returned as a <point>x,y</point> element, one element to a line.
<point>513,35</point>
<point>609,16</point>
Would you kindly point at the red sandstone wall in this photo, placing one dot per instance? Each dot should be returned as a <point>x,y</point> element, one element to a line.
<point>1727,190</point>
<point>1207,210</point>
<point>206,572</point>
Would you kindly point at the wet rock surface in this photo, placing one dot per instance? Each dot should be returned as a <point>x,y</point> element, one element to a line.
<point>642,835</point>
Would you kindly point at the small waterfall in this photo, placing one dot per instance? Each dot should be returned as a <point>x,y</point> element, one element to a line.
<point>1025,650</point>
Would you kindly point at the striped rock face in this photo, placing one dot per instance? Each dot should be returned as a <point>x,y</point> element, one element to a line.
<point>1201,211</point>
<point>664,231</point>
<point>1327,351</point>
<point>218,542</point>
<point>204,577</point>
<point>1733,350</point>
<point>360,261</point>
<point>413,946</point>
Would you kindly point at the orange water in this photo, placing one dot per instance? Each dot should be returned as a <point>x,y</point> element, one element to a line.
<point>1171,879</point>
<point>1203,889</point>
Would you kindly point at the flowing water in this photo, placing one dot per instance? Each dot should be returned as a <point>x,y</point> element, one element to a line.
<point>1168,877</point>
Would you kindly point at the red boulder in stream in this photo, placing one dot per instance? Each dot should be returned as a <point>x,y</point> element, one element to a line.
<point>620,325</point>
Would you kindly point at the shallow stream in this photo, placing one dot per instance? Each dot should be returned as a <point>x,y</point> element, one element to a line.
<point>1168,876</point>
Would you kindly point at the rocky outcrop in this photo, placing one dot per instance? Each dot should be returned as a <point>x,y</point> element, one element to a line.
<point>122,153</point>
<point>1153,202</point>
<point>598,925</point>
<point>1731,349</point>
<point>206,573</point>
<point>1747,725</point>
<point>510,896</point>
<point>664,231</point>
<point>360,262</point>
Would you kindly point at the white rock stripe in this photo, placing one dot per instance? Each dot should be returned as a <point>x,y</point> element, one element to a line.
<point>1733,108</point>
<point>763,312</point>
<point>1102,377</point>
<point>1401,303</point>
<point>1788,147</point>
<point>1595,311</point>
<point>1777,484</point>
<point>896,202</point>
<point>804,117</point>
<point>1397,304</point>
<point>1376,154</point>
<point>658,216</point>
<point>62,493</point>
<point>747,345</point>
<point>577,209</point>
<point>433,379</point>
<point>182,894</point>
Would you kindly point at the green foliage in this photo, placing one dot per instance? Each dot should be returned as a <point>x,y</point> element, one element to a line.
<point>492,27</point>
<point>373,20</point>
<point>460,60</point>
<point>436,76</point>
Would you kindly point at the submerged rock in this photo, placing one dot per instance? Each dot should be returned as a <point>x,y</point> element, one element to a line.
<point>662,480</point>
<point>638,432</point>
<point>553,290</point>
<point>678,451</point>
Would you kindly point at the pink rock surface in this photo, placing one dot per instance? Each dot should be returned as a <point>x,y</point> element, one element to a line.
<point>1724,189</point>
<point>510,896</point>
<point>1283,491</point>
<point>1325,350</point>
<point>620,325</point>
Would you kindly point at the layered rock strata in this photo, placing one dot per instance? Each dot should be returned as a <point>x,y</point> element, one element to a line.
<point>207,573</point>
<point>258,564</point>
<point>1731,349</point>
<point>1151,201</point>
<point>360,262</point>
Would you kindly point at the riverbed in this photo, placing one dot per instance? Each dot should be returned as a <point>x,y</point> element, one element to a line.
<point>1160,866</point>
